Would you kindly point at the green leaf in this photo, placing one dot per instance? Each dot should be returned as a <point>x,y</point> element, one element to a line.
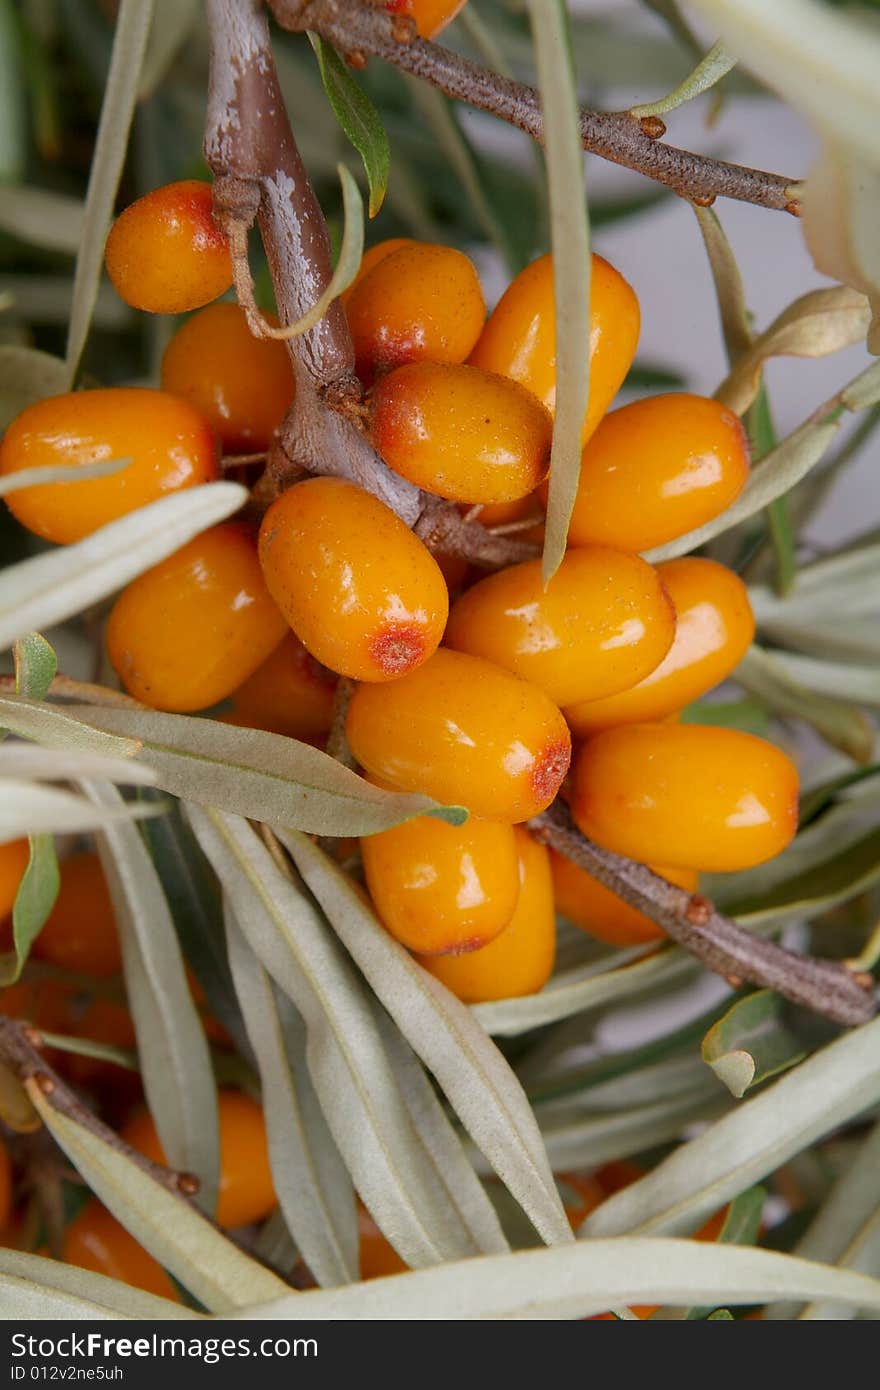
<point>36,666</point>
<point>32,1287</point>
<point>87,1047</point>
<point>570,241</point>
<point>33,902</point>
<point>752,1042</point>
<point>748,714</point>
<point>577,1141</point>
<point>839,722</point>
<point>26,376</point>
<point>816,882</point>
<point>715,65</point>
<point>358,118</point>
<point>729,288</point>
<point>29,809</point>
<point>42,217</point>
<point>13,123</point>
<point>817,799</point>
<point>741,1227</point>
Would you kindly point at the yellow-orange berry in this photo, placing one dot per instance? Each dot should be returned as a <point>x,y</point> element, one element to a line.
<point>461,433</point>
<point>430,15</point>
<point>714,627</point>
<point>686,795</point>
<point>590,905</point>
<point>96,1240</point>
<point>80,932</point>
<point>372,256</point>
<point>291,693</point>
<point>601,624</point>
<point>443,888</point>
<point>14,856</point>
<point>170,445</point>
<point>187,632</point>
<point>360,591</point>
<point>465,732</point>
<point>657,469</point>
<point>420,303</point>
<point>378,1257</point>
<point>166,253</point>
<point>519,339</point>
<point>520,960</point>
<point>246,1190</point>
<point>242,385</point>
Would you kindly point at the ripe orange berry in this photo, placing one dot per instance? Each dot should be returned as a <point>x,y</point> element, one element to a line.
<point>291,693</point>
<point>714,627</point>
<point>96,1240</point>
<point>372,256</point>
<point>378,1256</point>
<point>443,888</point>
<point>246,1189</point>
<point>464,732</point>
<point>602,623</point>
<point>420,303</point>
<point>657,469</point>
<point>520,960</point>
<point>519,339</point>
<point>461,433</point>
<point>430,15</point>
<point>686,795</point>
<point>171,447</point>
<point>360,591</point>
<point>14,856</point>
<point>80,932</point>
<point>242,385</point>
<point>593,907</point>
<point>187,632</point>
<point>166,253</point>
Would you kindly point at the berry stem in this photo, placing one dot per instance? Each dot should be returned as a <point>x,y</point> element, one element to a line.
<point>827,987</point>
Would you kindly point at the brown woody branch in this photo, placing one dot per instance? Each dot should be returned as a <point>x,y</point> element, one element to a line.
<point>361,30</point>
<point>825,986</point>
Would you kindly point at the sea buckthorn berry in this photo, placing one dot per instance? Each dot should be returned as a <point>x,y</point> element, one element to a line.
<point>601,624</point>
<point>166,253</point>
<point>581,1194</point>
<point>96,1240</point>
<point>246,1191</point>
<point>686,795</point>
<point>372,256</point>
<point>657,469</point>
<point>378,1256</point>
<point>171,446</point>
<point>714,627</point>
<point>461,433</point>
<point>80,932</point>
<point>519,339</point>
<point>291,693</point>
<point>14,856</point>
<point>520,960</point>
<point>421,303</point>
<point>464,732</point>
<point>360,591</point>
<point>430,15</point>
<point>443,888</point>
<point>587,903</point>
<point>187,632</point>
<point>242,385</point>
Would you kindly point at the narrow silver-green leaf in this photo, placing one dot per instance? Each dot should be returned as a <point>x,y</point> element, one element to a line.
<point>60,473</point>
<point>26,376</point>
<point>34,901</point>
<point>29,760</point>
<point>358,118</point>
<point>175,1061</point>
<point>715,65</point>
<point>837,721</point>
<point>32,1286</point>
<point>26,808</point>
<point>584,1141</point>
<point>42,217</point>
<point>49,727</point>
<point>36,666</point>
<point>751,1042</point>
<point>729,288</point>
<point>858,683</point>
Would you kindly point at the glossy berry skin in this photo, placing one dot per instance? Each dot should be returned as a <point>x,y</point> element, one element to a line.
<point>372,256</point>
<point>461,433</point>
<point>242,385</point>
<point>96,1240</point>
<point>602,623</point>
<point>360,591</point>
<point>420,303</point>
<point>14,856</point>
<point>714,628</point>
<point>289,694</point>
<point>519,339</point>
<point>430,15</point>
<point>657,469</point>
<point>465,732</point>
<point>170,444</point>
<point>520,960</point>
<point>187,632</point>
<point>246,1190</point>
<point>443,888</point>
<point>166,253</point>
<point>591,906</point>
<point>686,795</point>
<point>80,932</point>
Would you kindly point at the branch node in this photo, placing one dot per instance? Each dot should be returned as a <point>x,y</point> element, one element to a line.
<point>652,127</point>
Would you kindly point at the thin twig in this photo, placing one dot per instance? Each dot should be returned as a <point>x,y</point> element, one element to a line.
<point>827,987</point>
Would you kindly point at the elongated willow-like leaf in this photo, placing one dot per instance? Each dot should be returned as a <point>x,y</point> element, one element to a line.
<point>262,776</point>
<point>175,1061</point>
<point>60,473</point>
<point>50,728</point>
<point>358,117</point>
<point>27,808</point>
<point>835,876</point>
<point>38,1288</point>
<point>582,1141</point>
<point>26,376</point>
<point>839,722</point>
<point>479,1084</point>
<point>214,1270</point>
<point>36,666</point>
<point>45,589</point>
<point>842,681</point>
<point>313,1187</point>
<point>751,1042</point>
<point>729,289</point>
<point>578,1280</point>
<point>830,1087</point>
<point>710,69</point>
<point>34,900</point>
<point>346,1056</point>
<point>570,241</point>
<point>51,765</point>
